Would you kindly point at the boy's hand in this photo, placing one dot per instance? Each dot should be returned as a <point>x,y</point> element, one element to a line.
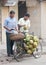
<point>25,27</point>
<point>9,29</point>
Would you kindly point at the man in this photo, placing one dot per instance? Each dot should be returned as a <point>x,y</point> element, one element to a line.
<point>24,23</point>
<point>10,25</point>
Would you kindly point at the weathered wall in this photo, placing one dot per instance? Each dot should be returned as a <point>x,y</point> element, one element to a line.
<point>0,26</point>
<point>34,8</point>
<point>4,15</point>
<point>43,20</point>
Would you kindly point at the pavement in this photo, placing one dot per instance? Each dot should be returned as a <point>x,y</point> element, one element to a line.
<point>4,60</point>
<point>24,61</point>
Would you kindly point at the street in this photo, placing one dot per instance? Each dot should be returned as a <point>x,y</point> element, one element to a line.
<point>4,60</point>
<point>26,61</point>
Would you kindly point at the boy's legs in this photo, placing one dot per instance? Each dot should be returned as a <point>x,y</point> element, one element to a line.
<point>8,44</point>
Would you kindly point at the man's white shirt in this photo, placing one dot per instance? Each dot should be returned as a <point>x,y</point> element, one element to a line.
<point>24,22</point>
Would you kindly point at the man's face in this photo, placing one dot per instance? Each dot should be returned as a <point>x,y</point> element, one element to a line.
<point>12,15</point>
<point>26,17</point>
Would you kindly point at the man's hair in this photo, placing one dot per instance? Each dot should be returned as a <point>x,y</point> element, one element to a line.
<point>12,12</point>
<point>28,15</point>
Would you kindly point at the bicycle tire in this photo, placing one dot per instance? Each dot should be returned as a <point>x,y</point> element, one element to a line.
<point>38,52</point>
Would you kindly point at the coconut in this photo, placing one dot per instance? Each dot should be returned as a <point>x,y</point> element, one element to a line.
<point>36,39</point>
<point>30,46</point>
<point>35,44</point>
<point>31,41</point>
<point>29,52</point>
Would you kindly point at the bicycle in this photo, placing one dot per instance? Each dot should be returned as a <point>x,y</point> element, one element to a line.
<point>19,49</point>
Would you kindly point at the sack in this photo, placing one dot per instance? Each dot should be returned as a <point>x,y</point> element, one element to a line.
<point>17,36</point>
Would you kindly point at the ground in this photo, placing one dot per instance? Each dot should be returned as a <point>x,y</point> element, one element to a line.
<point>4,60</point>
<point>26,61</point>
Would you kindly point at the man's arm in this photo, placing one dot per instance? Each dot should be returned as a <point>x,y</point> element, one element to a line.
<point>7,28</point>
<point>6,25</point>
<point>29,24</point>
<point>16,25</point>
<point>20,23</point>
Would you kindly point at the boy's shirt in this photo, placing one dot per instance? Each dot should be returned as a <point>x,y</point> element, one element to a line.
<point>10,23</point>
<point>26,23</point>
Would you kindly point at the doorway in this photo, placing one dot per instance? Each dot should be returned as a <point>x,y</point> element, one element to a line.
<point>22,9</point>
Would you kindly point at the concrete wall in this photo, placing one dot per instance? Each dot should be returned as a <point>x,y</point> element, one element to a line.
<point>43,20</point>
<point>34,8</point>
<point>0,26</point>
<point>4,15</point>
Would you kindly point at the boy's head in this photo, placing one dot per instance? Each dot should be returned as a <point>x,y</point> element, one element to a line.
<point>12,14</point>
<point>26,16</point>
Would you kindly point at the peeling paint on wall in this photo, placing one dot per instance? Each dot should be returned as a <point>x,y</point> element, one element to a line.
<point>0,26</point>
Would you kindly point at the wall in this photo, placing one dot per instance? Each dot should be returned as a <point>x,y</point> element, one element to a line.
<point>4,15</point>
<point>35,16</point>
<point>43,20</point>
<point>0,26</point>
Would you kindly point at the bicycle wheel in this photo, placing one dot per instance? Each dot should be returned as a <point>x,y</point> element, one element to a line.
<point>17,57</point>
<point>17,52</point>
<point>38,52</point>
